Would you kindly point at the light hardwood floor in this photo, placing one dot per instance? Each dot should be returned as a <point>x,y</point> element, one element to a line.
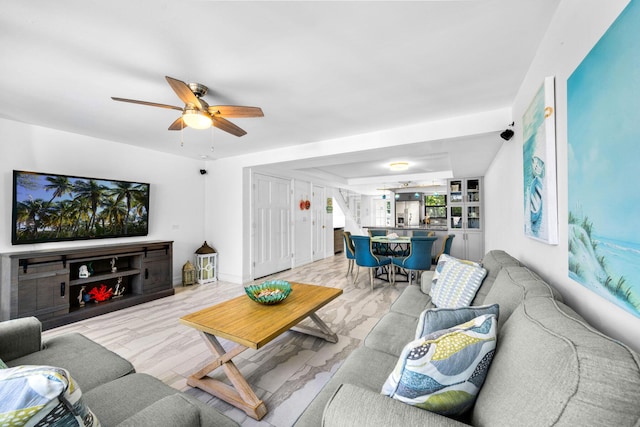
<point>286,374</point>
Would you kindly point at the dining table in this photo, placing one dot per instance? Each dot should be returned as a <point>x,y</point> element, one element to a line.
<point>391,245</point>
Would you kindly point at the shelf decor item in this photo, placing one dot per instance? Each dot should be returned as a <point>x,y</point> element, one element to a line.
<point>206,264</point>
<point>269,292</point>
<point>188,274</point>
<point>101,294</point>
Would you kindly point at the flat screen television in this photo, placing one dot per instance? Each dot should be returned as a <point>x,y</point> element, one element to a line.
<point>51,208</point>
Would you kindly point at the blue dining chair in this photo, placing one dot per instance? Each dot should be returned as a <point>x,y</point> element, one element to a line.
<point>378,248</point>
<point>349,251</point>
<point>419,258</point>
<point>419,233</point>
<point>446,247</point>
<point>366,258</point>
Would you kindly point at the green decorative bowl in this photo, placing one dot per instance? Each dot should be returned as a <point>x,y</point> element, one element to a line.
<point>269,292</point>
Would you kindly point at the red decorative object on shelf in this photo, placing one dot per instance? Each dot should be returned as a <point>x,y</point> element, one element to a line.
<point>302,205</point>
<point>307,204</point>
<point>101,294</point>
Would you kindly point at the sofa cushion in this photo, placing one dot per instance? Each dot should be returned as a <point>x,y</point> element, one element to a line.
<point>392,332</point>
<point>365,368</point>
<point>354,406</point>
<point>170,411</point>
<point>117,401</point>
<point>457,284</point>
<point>411,302</point>
<point>425,281</point>
<point>554,368</point>
<point>435,319</point>
<point>493,261</point>
<point>89,363</point>
<point>42,395</point>
<point>514,284</point>
<point>444,371</point>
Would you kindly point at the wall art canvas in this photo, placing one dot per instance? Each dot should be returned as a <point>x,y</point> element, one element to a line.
<point>539,166</point>
<point>603,103</point>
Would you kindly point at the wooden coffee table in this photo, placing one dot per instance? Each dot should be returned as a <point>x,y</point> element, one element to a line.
<point>253,325</point>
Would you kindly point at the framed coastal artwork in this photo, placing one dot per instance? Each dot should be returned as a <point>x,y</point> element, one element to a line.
<point>539,166</point>
<point>603,130</point>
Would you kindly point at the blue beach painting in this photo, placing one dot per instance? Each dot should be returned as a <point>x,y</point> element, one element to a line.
<point>603,121</point>
<point>539,166</point>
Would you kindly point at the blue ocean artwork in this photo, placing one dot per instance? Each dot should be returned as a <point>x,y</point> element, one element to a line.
<point>603,100</point>
<point>538,152</point>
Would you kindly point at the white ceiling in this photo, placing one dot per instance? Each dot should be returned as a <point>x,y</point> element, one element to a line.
<point>319,70</point>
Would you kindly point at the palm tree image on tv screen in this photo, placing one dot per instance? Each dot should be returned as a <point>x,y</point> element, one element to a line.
<point>50,207</point>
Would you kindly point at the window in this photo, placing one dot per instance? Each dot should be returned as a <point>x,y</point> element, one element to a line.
<point>435,208</point>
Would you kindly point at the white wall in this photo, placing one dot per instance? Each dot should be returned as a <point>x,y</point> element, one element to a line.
<point>176,210</point>
<point>576,27</point>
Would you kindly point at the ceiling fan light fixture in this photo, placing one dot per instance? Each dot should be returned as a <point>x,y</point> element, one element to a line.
<point>399,166</point>
<point>196,119</point>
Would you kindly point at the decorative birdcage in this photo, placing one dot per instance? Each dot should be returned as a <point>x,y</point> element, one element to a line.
<point>206,264</point>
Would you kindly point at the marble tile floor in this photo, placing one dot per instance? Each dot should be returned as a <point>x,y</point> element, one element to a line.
<point>286,374</point>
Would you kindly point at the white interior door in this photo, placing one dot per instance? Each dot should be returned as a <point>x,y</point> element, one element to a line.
<point>272,225</point>
<point>319,226</point>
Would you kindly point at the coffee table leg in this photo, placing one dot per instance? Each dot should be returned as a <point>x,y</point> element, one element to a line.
<point>240,394</point>
<point>325,332</point>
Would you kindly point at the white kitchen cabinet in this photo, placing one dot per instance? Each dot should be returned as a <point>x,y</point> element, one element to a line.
<point>466,218</point>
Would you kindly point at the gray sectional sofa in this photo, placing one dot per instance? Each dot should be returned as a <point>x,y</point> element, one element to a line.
<point>117,395</point>
<point>550,367</point>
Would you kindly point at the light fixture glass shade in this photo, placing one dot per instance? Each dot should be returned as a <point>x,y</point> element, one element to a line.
<point>196,119</point>
<point>399,166</point>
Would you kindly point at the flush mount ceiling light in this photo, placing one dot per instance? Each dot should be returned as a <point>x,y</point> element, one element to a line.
<point>196,119</point>
<point>399,166</point>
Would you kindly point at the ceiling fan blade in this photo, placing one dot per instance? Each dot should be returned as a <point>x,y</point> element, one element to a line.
<point>227,126</point>
<point>236,111</point>
<point>179,124</point>
<point>152,104</point>
<point>184,93</point>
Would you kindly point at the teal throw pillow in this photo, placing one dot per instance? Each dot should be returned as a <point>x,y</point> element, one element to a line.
<point>444,371</point>
<point>42,396</point>
<point>458,284</point>
<point>436,319</point>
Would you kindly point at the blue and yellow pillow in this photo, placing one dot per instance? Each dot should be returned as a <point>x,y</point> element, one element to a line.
<point>444,371</point>
<point>42,395</point>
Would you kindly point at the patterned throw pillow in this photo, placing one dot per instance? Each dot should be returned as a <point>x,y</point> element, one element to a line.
<point>42,395</point>
<point>3,365</point>
<point>444,258</point>
<point>435,319</point>
<point>444,371</point>
<point>457,284</point>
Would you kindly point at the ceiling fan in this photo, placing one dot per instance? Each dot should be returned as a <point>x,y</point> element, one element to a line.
<point>196,113</point>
